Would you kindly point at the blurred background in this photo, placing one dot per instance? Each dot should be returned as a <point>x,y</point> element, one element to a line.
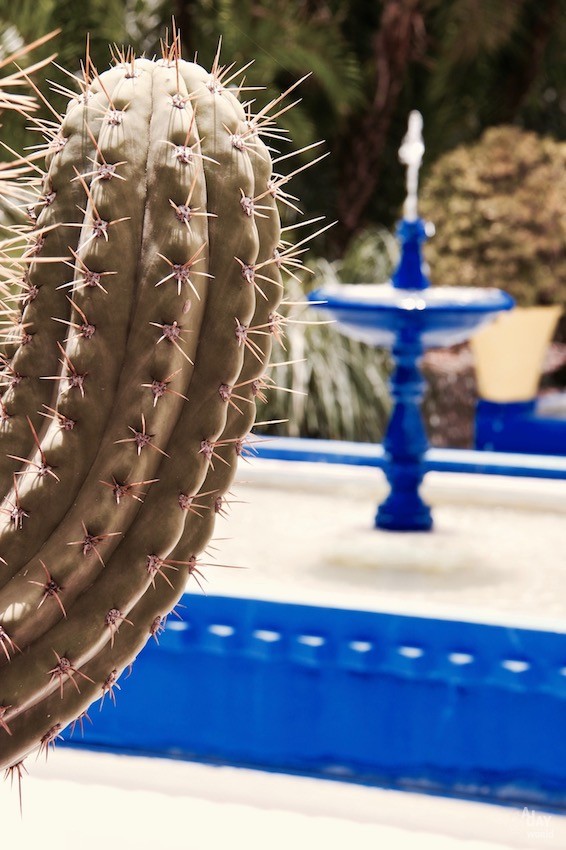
<point>488,77</point>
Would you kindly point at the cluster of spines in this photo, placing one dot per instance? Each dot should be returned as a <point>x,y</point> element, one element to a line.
<point>189,306</point>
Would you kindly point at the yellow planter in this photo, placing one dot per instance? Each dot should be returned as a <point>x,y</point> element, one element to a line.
<point>509,353</point>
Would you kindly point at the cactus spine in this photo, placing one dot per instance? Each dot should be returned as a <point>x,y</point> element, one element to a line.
<point>149,294</point>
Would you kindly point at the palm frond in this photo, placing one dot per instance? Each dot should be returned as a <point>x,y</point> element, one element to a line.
<point>338,387</point>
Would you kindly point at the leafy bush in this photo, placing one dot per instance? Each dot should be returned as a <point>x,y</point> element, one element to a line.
<point>498,208</point>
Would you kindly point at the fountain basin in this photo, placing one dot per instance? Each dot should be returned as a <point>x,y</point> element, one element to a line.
<point>407,661</point>
<point>407,321</point>
<point>440,316</point>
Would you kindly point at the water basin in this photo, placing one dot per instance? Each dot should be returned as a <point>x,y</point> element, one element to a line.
<point>440,315</point>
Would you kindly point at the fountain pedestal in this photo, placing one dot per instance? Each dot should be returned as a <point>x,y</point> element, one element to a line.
<point>407,321</point>
<point>405,442</point>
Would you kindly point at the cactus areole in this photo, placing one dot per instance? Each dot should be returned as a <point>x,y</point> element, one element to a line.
<point>149,288</point>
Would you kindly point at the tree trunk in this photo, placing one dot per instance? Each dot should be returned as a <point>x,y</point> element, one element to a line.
<point>541,21</point>
<point>185,12</point>
<point>400,40</point>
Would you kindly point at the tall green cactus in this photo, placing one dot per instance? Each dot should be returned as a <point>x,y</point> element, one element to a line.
<point>149,293</point>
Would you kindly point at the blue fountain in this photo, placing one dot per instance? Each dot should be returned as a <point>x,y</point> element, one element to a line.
<point>408,316</point>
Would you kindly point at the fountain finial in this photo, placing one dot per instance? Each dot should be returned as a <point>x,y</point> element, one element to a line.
<point>410,273</point>
<point>411,154</point>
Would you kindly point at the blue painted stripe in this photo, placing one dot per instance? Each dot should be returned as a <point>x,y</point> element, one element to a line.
<point>439,460</point>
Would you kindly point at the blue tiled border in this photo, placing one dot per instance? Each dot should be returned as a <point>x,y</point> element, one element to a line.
<point>440,460</point>
<point>444,706</point>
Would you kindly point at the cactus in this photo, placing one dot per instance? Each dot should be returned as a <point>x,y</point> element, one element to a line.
<point>149,292</point>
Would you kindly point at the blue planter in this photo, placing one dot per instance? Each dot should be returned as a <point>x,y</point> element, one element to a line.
<point>518,427</point>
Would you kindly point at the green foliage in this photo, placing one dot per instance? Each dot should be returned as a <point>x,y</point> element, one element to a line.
<point>494,63</point>
<point>104,21</point>
<point>498,208</point>
<point>371,257</point>
<point>465,64</point>
<point>310,41</point>
<point>337,387</point>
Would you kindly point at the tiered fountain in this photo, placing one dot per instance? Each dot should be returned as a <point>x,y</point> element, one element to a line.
<point>408,316</point>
